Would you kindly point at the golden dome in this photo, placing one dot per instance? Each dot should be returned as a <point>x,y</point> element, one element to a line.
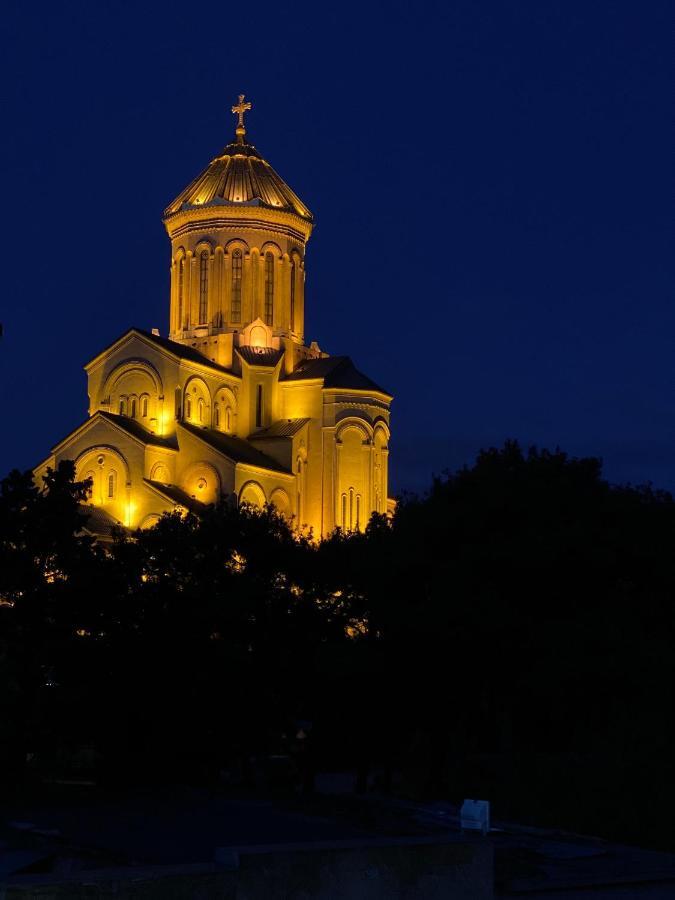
<point>239,176</point>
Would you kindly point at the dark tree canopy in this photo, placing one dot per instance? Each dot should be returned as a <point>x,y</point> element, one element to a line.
<point>509,634</point>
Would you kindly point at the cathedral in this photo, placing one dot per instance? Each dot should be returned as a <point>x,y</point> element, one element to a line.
<point>232,402</point>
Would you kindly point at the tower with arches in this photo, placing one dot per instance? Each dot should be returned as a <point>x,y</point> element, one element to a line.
<point>233,403</point>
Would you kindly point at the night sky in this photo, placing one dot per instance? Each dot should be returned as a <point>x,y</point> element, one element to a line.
<point>492,185</point>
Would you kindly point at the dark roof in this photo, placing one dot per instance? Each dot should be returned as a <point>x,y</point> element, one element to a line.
<point>337,372</point>
<point>175,494</point>
<point>179,350</point>
<point>236,449</point>
<point>136,430</point>
<point>282,429</point>
<point>97,521</point>
<point>260,356</point>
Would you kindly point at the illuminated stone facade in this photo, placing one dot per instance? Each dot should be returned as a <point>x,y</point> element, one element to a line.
<point>232,403</point>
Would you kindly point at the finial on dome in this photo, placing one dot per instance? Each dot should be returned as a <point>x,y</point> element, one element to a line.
<point>239,109</point>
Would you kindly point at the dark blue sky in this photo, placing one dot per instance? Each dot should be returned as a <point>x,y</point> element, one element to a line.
<point>492,184</point>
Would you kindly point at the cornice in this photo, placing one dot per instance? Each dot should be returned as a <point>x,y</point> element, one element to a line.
<point>209,218</point>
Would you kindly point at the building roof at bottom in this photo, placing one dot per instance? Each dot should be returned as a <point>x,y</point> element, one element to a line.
<point>97,521</point>
<point>175,495</point>
<point>234,448</point>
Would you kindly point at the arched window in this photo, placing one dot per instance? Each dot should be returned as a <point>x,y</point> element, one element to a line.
<point>293,295</point>
<point>111,485</point>
<point>351,508</point>
<point>344,511</point>
<point>358,511</point>
<point>216,415</point>
<point>259,407</point>
<point>181,287</point>
<point>203,286</point>
<point>132,407</point>
<point>188,407</point>
<point>269,288</point>
<point>235,313</point>
<point>228,419</point>
<point>123,406</point>
<point>144,407</point>
<point>200,410</point>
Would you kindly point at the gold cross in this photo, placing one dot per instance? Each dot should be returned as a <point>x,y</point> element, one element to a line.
<point>239,109</point>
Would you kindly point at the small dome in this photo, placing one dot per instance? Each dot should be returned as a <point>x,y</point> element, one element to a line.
<point>239,176</point>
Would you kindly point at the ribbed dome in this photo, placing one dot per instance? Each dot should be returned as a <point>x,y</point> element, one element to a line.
<point>239,176</point>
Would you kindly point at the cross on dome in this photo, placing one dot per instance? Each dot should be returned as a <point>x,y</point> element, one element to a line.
<point>239,109</point>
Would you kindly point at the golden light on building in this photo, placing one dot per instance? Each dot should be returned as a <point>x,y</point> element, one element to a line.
<point>234,402</point>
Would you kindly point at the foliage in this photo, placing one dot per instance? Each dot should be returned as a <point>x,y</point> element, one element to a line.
<point>509,634</point>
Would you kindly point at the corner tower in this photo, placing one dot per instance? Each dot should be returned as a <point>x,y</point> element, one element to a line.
<point>238,235</point>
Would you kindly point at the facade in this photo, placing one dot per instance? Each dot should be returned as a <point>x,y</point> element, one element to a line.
<point>232,403</point>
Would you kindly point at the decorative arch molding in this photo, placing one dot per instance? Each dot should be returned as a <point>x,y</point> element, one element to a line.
<point>227,389</point>
<point>252,494</point>
<point>103,449</point>
<point>196,400</point>
<point>271,247</point>
<point>202,481</point>
<point>192,381</point>
<point>128,366</point>
<point>280,499</point>
<point>237,244</point>
<point>160,472</point>
<point>150,521</point>
<point>179,254</point>
<point>204,244</point>
<point>354,424</point>
<point>380,427</point>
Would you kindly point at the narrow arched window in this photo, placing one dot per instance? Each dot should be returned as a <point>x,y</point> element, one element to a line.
<point>200,410</point>
<point>228,419</point>
<point>111,485</point>
<point>216,415</point>
<point>132,407</point>
<point>351,508</point>
<point>123,406</point>
<point>188,407</point>
<point>358,511</point>
<point>293,295</point>
<point>144,407</point>
<point>181,287</point>
<point>344,510</point>
<point>269,288</point>
<point>203,286</point>
<point>235,312</point>
<point>259,407</point>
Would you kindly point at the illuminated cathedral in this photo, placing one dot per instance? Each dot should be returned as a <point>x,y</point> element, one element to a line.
<point>232,403</point>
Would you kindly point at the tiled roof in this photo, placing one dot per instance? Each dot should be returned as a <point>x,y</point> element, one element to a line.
<point>234,448</point>
<point>241,177</point>
<point>180,350</point>
<point>282,429</point>
<point>175,494</point>
<point>336,371</point>
<point>260,356</point>
<point>136,430</point>
<point>97,521</point>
